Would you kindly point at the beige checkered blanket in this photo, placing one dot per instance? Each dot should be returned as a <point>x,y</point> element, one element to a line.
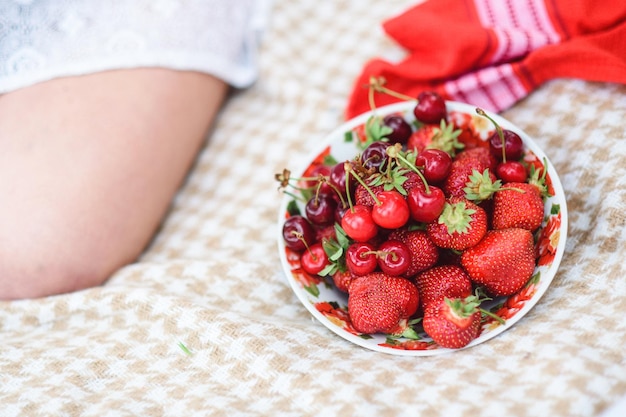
<point>205,323</point>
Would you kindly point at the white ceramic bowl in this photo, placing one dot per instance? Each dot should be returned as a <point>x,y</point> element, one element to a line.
<point>329,305</point>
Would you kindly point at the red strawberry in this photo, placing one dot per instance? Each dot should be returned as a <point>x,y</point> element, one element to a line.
<point>363,197</point>
<point>442,281</point>
<point>453,322</point>
<point>461,225</point>
<point>442,136</point>
<point>483,154</point>
<point>342,280</point>
<point>422,137</point>
<point>519,204</point>
<point>380,303</point>
<point>502,262</point>
<point>424,253</point>
<point>413,180</point>
<point>460,172</point>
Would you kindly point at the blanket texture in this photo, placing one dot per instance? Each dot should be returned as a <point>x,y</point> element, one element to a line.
<point>205,323</point>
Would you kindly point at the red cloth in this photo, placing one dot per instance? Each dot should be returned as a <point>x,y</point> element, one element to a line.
<point>492,53</point>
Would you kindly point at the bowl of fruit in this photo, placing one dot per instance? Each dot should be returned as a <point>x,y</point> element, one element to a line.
<point>422,227</point>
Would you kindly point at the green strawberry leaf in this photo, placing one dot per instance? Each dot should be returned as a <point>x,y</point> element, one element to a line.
<point>342,237</point>
<point>330,269</point>
<point>333,249</point>
<point>457,217</point>
<point>410,333</point>
<point>375,130</point>
<point>538,178</point>
<point>480,187</point>
<point>446,138</point>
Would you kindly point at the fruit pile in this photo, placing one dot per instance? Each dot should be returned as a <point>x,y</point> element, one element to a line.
<point>422,225</point>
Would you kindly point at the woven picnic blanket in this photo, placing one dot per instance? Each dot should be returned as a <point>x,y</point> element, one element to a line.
<point>206,324</point>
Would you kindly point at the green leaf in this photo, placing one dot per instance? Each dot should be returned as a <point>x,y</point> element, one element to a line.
<point>446,138</point>
<point>293,209</point>
<point>330,160</point>
<point>333,249</point>
<point>480,187</point>
<point>376,130</point>
<point>184,348</point>
<point>329,269</point>
<point>410,333</point>
<point>535,279</point>
<point>313,290</point>
<point>342,237</point>
<point>555,209</point>
<point>457,217</point>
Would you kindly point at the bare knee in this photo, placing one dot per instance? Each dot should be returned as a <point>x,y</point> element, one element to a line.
<point>40,271</point>
<point>98,159</point>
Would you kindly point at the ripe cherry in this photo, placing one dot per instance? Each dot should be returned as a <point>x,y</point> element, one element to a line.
<point>504,144</point>
<point>361,258</point>
<point>426,206</point>
<point>321,210</point>
<point>358,224</point>
<point>430,108</point>
<point>436,164</point>
<point>324,171</point>
<point>375,155</point>
<point>314,259</point>
<point>391,211</point>
<point>338,177</point>
<point>401,129</point>
<point>394,257</point>
<point>513,145</point>
<point>298,233</point>
<point>511,171</point>
<point>340,211</point>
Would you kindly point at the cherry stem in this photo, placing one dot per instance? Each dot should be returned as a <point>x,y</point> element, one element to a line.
<point>370,97</point>
<point>325,180</point>
<point>348,168</point>
<point>394,152</point>
<point>298,197</point>
<point>369,190</point>
<point>380,254</point>
<point>498,129</point>
<point>300,237</point>
<point>377,83</point>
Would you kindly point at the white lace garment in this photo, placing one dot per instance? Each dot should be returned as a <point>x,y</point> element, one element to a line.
<point>44,39</point>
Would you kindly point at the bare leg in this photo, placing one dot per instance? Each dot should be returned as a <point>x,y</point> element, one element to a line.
<point>88,167</point>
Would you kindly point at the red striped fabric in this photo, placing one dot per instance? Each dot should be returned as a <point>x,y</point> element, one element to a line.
<point>492,53</point>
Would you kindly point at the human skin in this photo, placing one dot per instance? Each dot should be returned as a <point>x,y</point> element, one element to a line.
<point>88,168</point>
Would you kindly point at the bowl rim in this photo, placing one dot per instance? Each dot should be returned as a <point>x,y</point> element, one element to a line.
<point>546,277</point>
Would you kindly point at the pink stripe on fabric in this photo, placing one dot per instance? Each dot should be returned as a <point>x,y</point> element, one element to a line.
<point>519,26</point>
<point>494,88</point>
